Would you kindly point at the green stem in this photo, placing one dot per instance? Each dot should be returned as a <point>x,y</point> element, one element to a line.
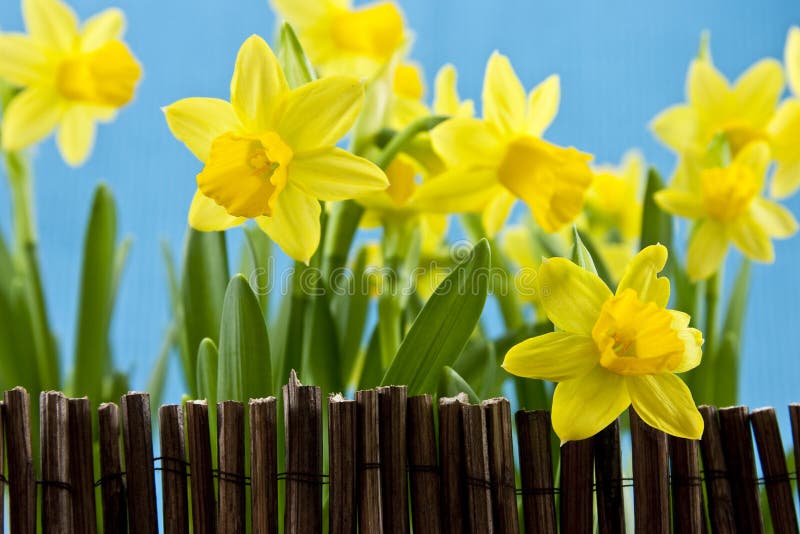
<point>713,286</point>
<point>20,182</point>
<point>405,136</point>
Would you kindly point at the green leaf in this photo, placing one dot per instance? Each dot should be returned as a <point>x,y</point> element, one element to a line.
<point>727,361</point>
<point>296,66</point>
<point>177,333</point>
<point>321,346</point>
<point>656,223</point>
<point>288,329</point>
<point>244,370</point>
<point>158,376</point>
<point>207,371</point>
<point>256,262</point>
<point>349,306</point>
<point>444,325</point>
<point>6,267</point>
<point>737,305</point>
<point>343,220</point>
<point>580,255</point>
<point>452,384</point>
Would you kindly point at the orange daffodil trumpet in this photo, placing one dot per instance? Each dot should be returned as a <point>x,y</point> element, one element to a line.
<point>72,77</point>
<point>612,350</point>
<point>269,154</point>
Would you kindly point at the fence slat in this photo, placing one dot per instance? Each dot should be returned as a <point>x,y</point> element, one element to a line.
<point>342,446</point>
<point>776,474</point>
<point>608,478</point>
<point>794,416</point>
<point>264,465</point>
<point>137,433</point>
<point>54,447</point>
<point>687,488</point>
<point>303,418</point>
<point>393,401</point>
<point>423,466</point>
<point>81,466</point>
<point>715,473</point>
<point>576,486</point>
<point>204,509</point>
<point>21,478</point>
<point>451,435</point>
<point>737,444</point>
<point>478,484</point>
<point>112,486</point>
<point>232,494</point>
<point>651,476</point>
<point>536,471</point>
<point>174,484</point>
<point>2,466</point>
<point>501,465</point>
<point>370,506</point>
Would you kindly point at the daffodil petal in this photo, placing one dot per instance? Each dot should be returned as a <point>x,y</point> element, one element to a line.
<point>792,55</point>
<point>497,211</point>
<point>31,116</point>
<point>758,90</point>
<point>641,275</point>
<point>294,224</point>
<point>335,174</point>
<point>208,216</point>
<point>503,95</point>
<point>572,297</point>
<point>457,191</point>
<point>320,113</point>
<point>708,90</point>
<point>22,60</point>
<point>76,135</point>
<point>784,129</point>
<point>108,25</point>
<point>676,127</point>
<point>756,157</point>
<point>776,220</point>
<point>50,22</point>
<point>543,104</point>
<point>707,248</point>
<point>556,356</point>
<point>681,203</point>
<point>693,341</point>
<point>303,12</point>
<point>467,142</point>
<point>258,84</point>
<point>664,402</point>
<point>752,239</point>
<point>584,406</point>
<point>198,121</point>
<point>786,179</point>
<point>445,98</point>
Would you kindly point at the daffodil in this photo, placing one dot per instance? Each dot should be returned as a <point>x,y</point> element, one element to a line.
<point>728,207</point>
<point>342,39</point>
<point>612,350</point>
<point>495,160</point>
<point>269,154</point>
<point>72,77</point>
<point>784,128</point>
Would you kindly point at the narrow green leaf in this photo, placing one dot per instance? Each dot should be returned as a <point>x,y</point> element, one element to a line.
<point>6,267</point>
<point>343,220</point>
<point>350,304</point>
<point>580,255</point>
<point>256,264</point>
<point>369,369</point>
<point>444,325</point>
<point>726,362</point>
<point>321,346</point>
<point>737,305</point>
<point>207,371</point>
<point>120,260</point>
<point>158,376</point>
<point>656,223</point>
<point>452,383</point>
<point>296,66</point>
<point>179,334</point>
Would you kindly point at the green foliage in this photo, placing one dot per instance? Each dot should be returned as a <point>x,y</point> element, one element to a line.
<point>296,66</point>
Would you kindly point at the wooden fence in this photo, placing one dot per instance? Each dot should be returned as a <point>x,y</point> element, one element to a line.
<point>386,471</point>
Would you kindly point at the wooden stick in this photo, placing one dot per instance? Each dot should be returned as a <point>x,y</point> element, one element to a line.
<point>2,466</point>
<point>608,476</point>
<point>576,486</point>
<point>687,488</point>
<point>370,509</point>
<point>173,470</point>
<point>393,401</point>
<point>423,467</point>
<point>651,477</point>
<point>264,465</point>
<point>232,481</point>
<point>501,465</point>
<point>478,484</point>
<point>536,471</point>
<point>342,446</point>
<point>204,516</point>
<point>451,435</point>
<point>776,474</point>
<point>737,442</point>
<point>794,415</point>
<point>137,434</point>
<point>56,487</point>
<point>112,487</point>
<point>303,423</point>
<point>21,479</point>
<point>718,490</point>
<point>81,466</point>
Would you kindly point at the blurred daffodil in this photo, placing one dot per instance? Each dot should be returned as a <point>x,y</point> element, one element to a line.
<point>495,160</point>
<point>409,91</point>
<point>785,126</point>
<point>269,154</point>
<point>72,77</point>
<point>612,350</point>
<point>792,57</point>
<point>727,204</point>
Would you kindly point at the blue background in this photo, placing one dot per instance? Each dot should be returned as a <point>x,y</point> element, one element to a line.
<point>620,63</point>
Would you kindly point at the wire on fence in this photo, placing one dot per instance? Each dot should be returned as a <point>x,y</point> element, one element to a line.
<point>60,484</point>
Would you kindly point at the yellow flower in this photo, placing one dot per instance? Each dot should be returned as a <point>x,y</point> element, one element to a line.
<point>728,206</point>
<point>612,350</point>
<point>73,77</point>
<point>342,39</point>
<point>409,90</point>
<point>497,159</point>
<point>785,126</point>
<point>792,56</point>
<point>269,154</point>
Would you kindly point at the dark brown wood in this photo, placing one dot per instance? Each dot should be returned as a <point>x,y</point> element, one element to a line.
<point>715,473</point>
<point>204,509</point>
<point>54,447</point>
<point>2,467</point>
<point>794,416</point>
<point>112,484</point>
<point>21,478</point>
<point>536,472</point>
<point>687,486</point>
<point>342,447</point>
<point>423,466</point>
<point>174,484</point>
<point>370,500</point>
<point>137,434</point>
<point>651,473</point>
<point>303,423</point>
<point>608,480</point>
<point>81,466</point>
<point>776,474</point>
<point>737,444</point>
<point>264,465</point>
<point>393,401</point>
<point>478,484</point>
<point>232,482</point>
<point>501,465</point>
<point>451,462</point>
<point>576,486</point>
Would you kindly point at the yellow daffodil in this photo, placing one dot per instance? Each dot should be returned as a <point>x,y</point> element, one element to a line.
<point>727,204</point>
<point>409,90</point>
<point>792,57</point>
<point>269,154</point>
<point>612,350</point>
<point>785,126</point>
<point>497,159</point>
<point>342,39</point>
<point>73,77</point>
